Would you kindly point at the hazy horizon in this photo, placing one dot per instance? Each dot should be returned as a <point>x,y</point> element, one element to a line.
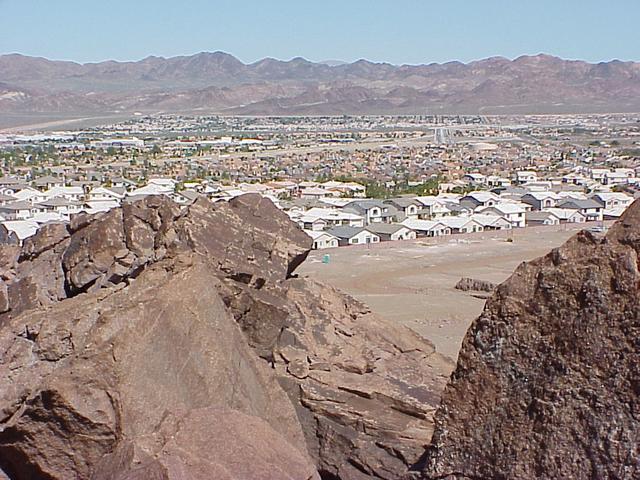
<point>322,61</point>
<point>408,32</point>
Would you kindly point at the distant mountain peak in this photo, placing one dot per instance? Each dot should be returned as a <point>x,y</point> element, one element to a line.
<point>218,82</point>
<point>333,63</point>
<point>540,57</point>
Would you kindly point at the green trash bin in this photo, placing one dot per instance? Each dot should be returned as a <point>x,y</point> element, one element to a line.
<point>325,259</point>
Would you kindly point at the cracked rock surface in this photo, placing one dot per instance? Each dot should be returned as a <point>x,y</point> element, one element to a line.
<point>548,379</point>
<point>158,342</point>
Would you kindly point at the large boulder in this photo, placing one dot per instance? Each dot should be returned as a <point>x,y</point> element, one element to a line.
<point>248,237</point>
<point>211,443</point>
<point>365,390</point>
<point>133,339</point>
<point>548,380</point>
<point>119,366</point>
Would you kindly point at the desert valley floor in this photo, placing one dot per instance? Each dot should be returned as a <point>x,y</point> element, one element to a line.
<point>413,282</point>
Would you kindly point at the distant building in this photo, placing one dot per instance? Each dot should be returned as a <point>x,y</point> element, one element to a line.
<point>354,235</point>
<point>523,177</point>
<point>513,212</point>
<point>322,240</point>
<point>591,209</point>
<point>542,218</point>
<point>392,232</point>
<point>540,200</point>
<point>406,207</point>
<point>475,200</point>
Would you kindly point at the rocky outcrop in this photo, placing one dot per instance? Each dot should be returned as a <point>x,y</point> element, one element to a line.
<point>119,366</point>
<point>158,342</point>
<point>365,390</point>
<point>472,284</point>
<point>245,447</point>
<point>548,380</point>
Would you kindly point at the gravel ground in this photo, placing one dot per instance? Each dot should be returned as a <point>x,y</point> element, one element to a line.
<point>413,282</point>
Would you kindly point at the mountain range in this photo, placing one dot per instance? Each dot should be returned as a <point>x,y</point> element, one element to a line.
<point>220,83</point>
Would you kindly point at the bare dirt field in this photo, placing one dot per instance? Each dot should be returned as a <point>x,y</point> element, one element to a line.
<point>412,282</point>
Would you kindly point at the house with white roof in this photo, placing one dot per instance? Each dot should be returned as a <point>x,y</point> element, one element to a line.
<point>428,228</point>
<point>434,207</point>
<point>22,228</point>
<point>98,206</point>
<point>619,176</point>
<point>152,189</point>
<point>334,217</point>
<point>474,179</point>
<point>610,200</point>
<point>335,202</point>
<point>258,188</point>
<point>613,213</point>
<point>47,217</point>
<point>315,192</point>
<point>210,190</point>
<point>350,189</point>
<point>525,176</point>
<point>513,212</point>
<point>168,183</point>
<point>492,222</point>
<point>462,224</point>
<point>322,240</point>
<point>74,194</point>
<point>30,195</point>
<point>104,194</point>
<point>392,231</point>
<point>567,215</point>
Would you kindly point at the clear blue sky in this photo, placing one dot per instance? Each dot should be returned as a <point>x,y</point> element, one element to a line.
<point>397,31</point>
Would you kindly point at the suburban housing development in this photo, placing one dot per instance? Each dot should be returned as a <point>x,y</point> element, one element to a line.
<point>345,181</point>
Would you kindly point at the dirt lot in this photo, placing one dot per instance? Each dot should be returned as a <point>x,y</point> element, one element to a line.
<point>413,282</point>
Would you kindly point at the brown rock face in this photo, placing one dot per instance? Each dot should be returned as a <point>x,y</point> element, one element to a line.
<point>119,365</point>
<point>246,447</point>
<point>548,380</point>
<point>365,390</point>
<point>158,342</point>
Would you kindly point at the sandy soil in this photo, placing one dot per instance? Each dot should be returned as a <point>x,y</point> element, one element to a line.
<point>413,282</point>
<point>15,123</point>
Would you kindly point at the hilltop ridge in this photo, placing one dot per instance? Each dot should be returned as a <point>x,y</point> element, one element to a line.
<point>217,82</point>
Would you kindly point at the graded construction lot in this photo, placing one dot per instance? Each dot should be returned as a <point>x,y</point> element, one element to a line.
<point>412,282</point>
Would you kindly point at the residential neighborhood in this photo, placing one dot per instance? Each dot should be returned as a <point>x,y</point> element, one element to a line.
<point>349,181</point>
<point>330,219</point>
